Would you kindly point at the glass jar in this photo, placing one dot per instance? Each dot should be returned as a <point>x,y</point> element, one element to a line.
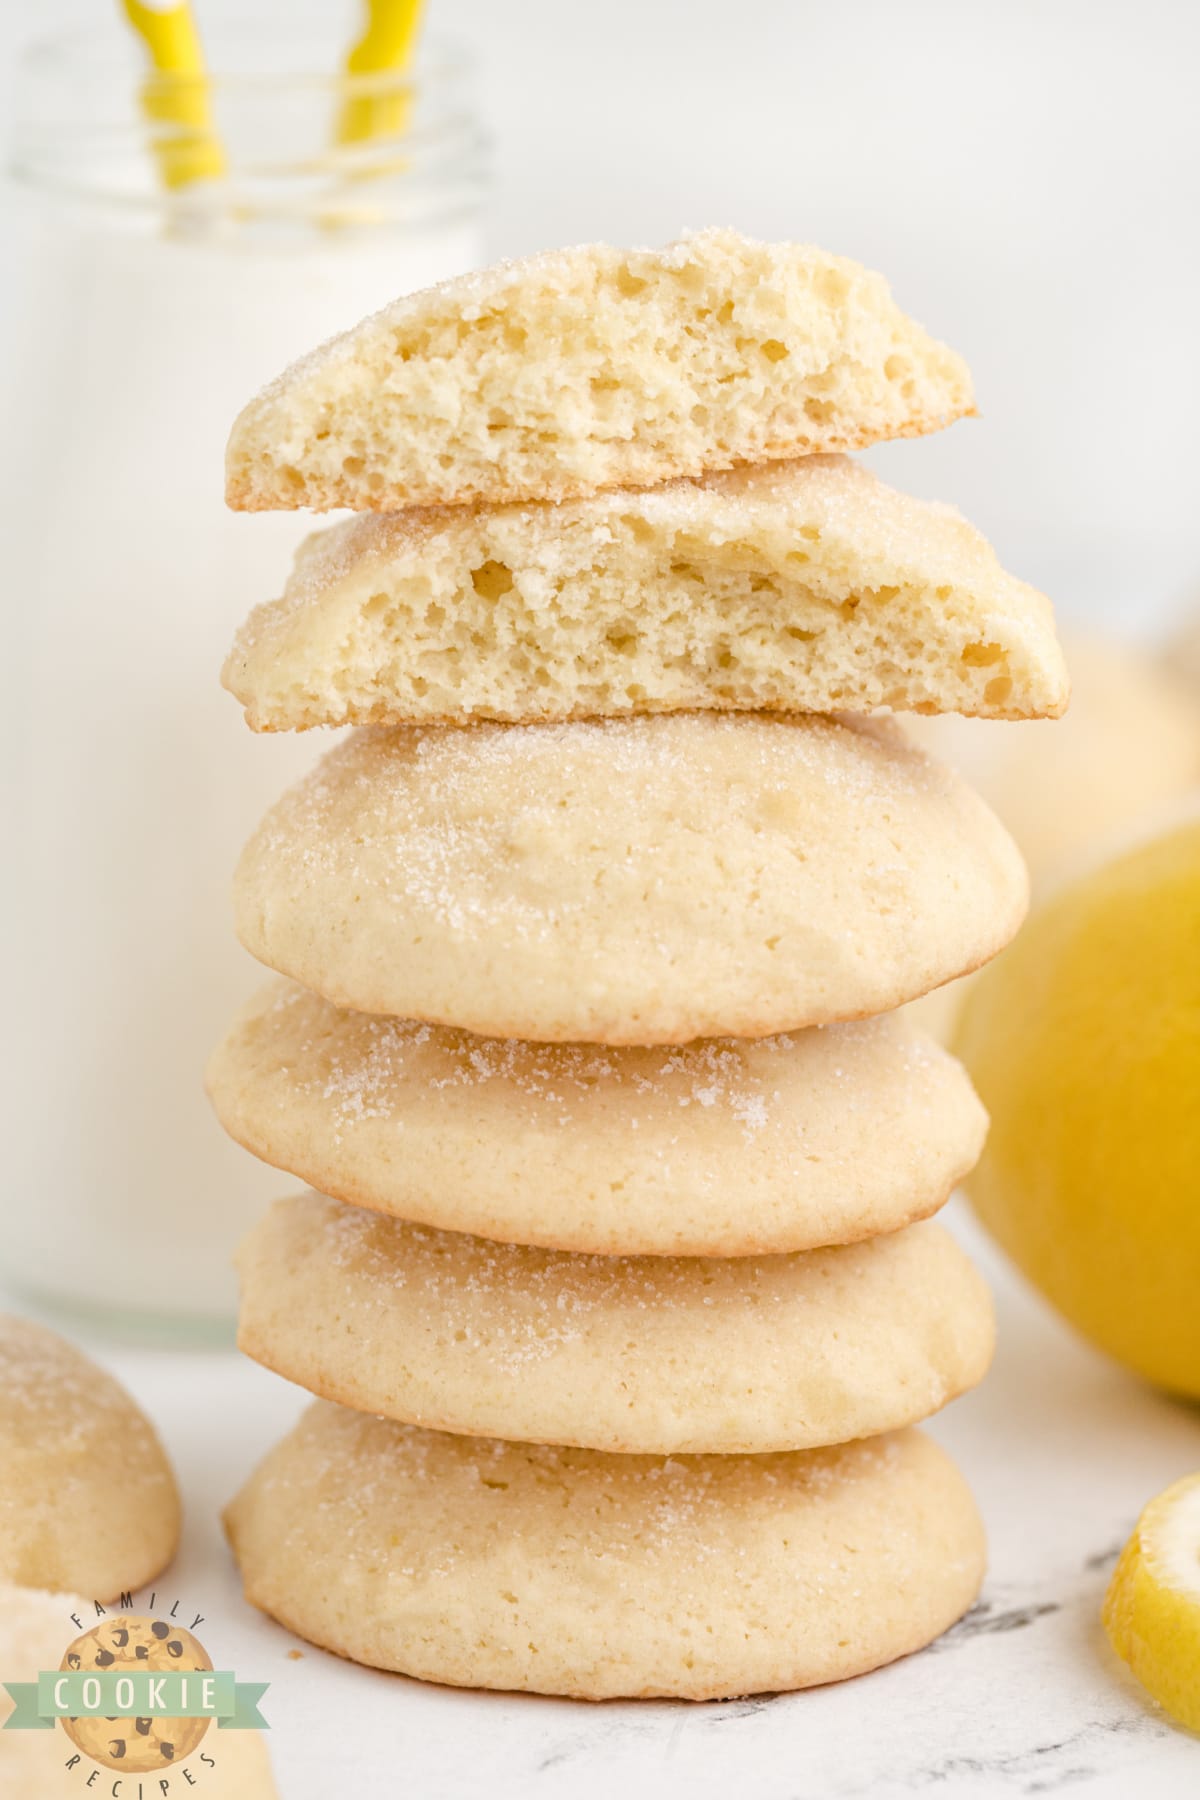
<point>142,317</point>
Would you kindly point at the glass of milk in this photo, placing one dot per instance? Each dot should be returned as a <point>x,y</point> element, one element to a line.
<point>138,320</point>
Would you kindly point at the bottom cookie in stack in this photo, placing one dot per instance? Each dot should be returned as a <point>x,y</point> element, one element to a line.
<point>482,1563</point>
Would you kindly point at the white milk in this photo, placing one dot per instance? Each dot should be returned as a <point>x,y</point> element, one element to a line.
<point>133,779</point>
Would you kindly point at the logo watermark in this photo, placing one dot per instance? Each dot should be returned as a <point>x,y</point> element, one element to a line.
<point>137,1693</point>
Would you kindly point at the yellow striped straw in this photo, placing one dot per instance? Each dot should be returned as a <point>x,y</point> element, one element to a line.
<point>168,30</point>
<point>386,44</point>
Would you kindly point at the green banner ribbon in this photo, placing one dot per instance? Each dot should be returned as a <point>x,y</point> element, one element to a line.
<point>25,1715</point>
<point>136,1694</point>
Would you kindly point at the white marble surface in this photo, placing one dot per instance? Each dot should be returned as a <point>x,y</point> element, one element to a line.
<point>1024,1697</point>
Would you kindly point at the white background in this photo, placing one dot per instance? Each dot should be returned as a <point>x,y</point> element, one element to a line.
<point>1027,174</point>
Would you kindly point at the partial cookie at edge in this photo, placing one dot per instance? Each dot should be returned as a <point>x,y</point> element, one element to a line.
<point>88,1501</point>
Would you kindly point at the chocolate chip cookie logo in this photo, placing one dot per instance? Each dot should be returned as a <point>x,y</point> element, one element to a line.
<point>136,1645</point>
<point>136,1694</point>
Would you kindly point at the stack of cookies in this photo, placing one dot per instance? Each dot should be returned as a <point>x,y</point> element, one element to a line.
<point>616,1282</point>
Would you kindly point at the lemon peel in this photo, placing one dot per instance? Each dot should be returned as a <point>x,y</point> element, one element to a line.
<point>1152,1607</point>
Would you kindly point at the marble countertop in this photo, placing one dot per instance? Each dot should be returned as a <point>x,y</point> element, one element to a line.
<point>1024,1696</point>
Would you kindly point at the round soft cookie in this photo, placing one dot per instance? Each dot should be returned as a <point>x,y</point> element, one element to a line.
<point>87,1498</point>
<point>656,1354</point>
<point>632,880</point>
<point>726,1147</point>
<point>486,1564</point>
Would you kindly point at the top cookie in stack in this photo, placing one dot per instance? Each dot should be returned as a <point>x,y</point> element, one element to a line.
<point>595,368</point>
<point>797,585</point>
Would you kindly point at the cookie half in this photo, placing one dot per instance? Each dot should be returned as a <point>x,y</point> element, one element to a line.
<point>805,586</point>
<point>721,1148</point>
<point>653,1353</point>
<point>87,1498</point>
<point>593,368</point>
<point>629,881</point>
<point>486,1564</point>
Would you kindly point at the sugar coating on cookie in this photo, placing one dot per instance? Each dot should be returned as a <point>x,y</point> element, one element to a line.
<point>486,1564</point>
<point>727,1147</point>
<point>805,586</point>
<point>592,368</point>
<point>87,1497</point>
<point>629,881</point>
<point>652,1353</point>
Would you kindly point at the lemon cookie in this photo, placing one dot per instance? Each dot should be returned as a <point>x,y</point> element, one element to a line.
<point>805,586</point>
<point>87,1497</point>
<point>629,881</point>
<point>591,368</point>
<point>486,1564</point>
<point>719,1148</point>
<point>651,1353</point>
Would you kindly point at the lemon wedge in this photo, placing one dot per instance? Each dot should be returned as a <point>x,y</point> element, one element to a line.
<point>1152,1608</point>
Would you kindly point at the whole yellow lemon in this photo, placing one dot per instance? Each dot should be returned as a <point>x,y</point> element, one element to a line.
<point>1084,1043</point>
